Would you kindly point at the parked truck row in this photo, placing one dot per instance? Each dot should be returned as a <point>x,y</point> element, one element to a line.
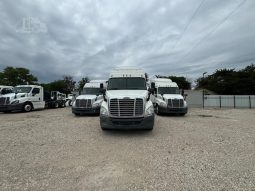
<point>125,101</point>
<point>29,97</point>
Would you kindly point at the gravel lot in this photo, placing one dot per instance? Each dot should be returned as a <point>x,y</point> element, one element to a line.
<point>53,150</point>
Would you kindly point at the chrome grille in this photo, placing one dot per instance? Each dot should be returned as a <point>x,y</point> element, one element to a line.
<point>86,103</point>
<point>4,100</point>
<point>126,107</point>
<point>175,103</point>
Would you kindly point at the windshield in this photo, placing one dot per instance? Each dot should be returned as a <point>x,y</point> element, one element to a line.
<point>127,83</point>
<point>91,91</point>
<point>22,89</point>
<point>168,90</point>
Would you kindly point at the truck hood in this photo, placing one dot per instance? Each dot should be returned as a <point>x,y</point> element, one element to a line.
<point>86,97</point>
<point>173,96</point>
<point>12,95</point>
<point>126,93</point>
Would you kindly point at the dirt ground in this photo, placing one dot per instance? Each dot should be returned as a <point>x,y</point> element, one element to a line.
<point>53,150</point>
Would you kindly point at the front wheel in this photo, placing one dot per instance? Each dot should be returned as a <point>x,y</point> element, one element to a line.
<point>156,110</point>
<point>27,107</point>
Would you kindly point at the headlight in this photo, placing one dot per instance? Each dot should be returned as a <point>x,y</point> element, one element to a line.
<point>96,105</point>
<point>149,111</point>
<point>73,104</point>
<point>15,102</point>
<point>162,104</point>
<point>103,111</point>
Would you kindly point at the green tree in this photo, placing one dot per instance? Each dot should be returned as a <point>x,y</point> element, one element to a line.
<point>69,84</point>
<point>82,82</point>
<point>16,76</point>
<point>230,82</point>
<point>58,85</point>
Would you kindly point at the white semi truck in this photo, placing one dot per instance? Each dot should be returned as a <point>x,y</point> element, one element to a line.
<point>167,98</point>
<point>127,103</point>
<point>29,97</point>
<point>89,102</point>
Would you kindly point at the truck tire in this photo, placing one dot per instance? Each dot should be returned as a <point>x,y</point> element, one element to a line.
<point>156,110</point>
<point>27,107</point>
<point>56,105</point>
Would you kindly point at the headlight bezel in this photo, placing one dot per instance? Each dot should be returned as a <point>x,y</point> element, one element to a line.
<point>162,104</point>
<point>149,111</point>
<point>95,105</point>
<point>15,102</point>
<point>104,111</point>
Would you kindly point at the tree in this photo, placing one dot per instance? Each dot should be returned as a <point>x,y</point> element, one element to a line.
<point>230,82</point>
<point>58,85</point>
<point>69,84</point>
<point>82,82</point>
<point>16,76</point>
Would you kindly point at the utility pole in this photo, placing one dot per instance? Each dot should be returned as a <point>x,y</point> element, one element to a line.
<point>204,90</point>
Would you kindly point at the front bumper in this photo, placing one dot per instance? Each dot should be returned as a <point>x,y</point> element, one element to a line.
<point>127,123</point>
<point>172,110</point>
<point>11,107</point>
<point>84,111</point>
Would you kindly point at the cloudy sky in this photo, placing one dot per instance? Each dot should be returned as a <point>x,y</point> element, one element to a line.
<point>91,37</point>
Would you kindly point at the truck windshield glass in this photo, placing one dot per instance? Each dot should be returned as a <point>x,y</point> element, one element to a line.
<point>91,91</point>
<point>22,89</point>
<point>168,90</point>
<point>127,83</point>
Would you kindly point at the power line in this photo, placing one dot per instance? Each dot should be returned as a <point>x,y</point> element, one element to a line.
<point>188,23</point>
<point>216,28</point>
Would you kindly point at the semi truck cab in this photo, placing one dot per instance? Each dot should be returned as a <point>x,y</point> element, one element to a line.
<point>127,103</point>
<point>167,98</point>
<point>23,97</point>
<point>91,99</point>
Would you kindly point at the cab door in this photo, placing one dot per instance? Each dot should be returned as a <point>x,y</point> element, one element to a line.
<point>37,98</point>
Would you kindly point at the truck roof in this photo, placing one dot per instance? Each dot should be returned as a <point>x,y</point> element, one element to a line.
<point>32,86</point>
<point>95,84</point>
<point>164,82</point>
<point>161,80</point>
<point>120,73</point>
<point>5,87</point>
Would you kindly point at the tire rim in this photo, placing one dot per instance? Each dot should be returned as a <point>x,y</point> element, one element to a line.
<point>28,107</point>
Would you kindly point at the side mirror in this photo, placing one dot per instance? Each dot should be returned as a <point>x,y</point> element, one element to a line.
<point>152,85</point>
<point>185,96</point>
<point>101,85</point>
<point>151,90</point>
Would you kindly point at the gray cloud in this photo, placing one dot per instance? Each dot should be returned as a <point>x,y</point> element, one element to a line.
<point>92,37</point>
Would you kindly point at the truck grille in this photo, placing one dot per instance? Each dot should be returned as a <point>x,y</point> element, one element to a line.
<point>126,107</point>
<point>86,103</point>
<point>175,103</point>
<point>4,100</point>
